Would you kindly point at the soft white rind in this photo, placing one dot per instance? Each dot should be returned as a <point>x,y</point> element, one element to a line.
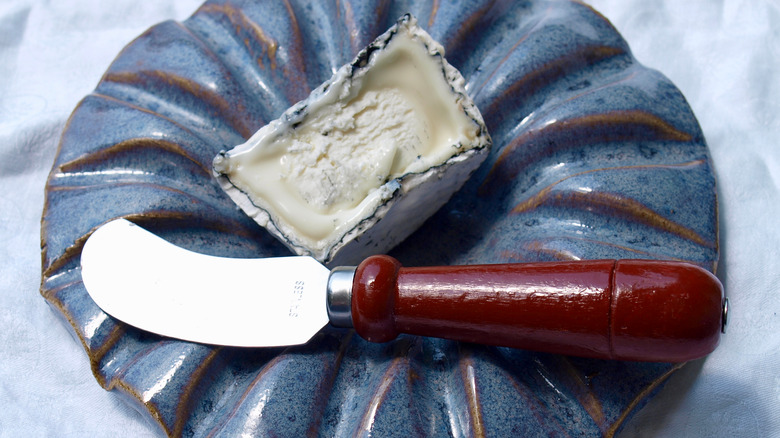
<point>393,211</point>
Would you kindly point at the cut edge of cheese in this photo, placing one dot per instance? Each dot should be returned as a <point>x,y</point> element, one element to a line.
<point>371,154</point>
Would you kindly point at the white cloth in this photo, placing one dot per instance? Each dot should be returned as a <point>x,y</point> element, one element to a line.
<point>724,56</point>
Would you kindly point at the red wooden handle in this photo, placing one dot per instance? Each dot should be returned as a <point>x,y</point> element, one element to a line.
<point>628,309</point>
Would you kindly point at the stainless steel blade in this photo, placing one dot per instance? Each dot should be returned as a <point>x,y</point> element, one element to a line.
<point>145,281</point>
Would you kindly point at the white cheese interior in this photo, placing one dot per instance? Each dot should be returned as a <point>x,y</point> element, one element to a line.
<point>329,170</point>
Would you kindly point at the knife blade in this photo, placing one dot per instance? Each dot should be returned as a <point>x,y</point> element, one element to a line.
<point>645,310</point>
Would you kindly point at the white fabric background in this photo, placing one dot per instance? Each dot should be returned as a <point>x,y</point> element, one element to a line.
<point>724,56</point>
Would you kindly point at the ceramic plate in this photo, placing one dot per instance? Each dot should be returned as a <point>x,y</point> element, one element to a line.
<point>595,156</point>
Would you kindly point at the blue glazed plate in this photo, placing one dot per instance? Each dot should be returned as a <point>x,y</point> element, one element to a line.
<point>595,156</point>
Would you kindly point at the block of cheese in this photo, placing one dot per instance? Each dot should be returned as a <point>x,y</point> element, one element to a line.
<point>367,157</point>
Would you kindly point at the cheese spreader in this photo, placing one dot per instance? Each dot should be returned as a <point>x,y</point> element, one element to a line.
<point>644,310</point>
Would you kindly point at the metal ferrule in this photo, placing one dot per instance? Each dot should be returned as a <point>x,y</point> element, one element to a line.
<point>339,296</point>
